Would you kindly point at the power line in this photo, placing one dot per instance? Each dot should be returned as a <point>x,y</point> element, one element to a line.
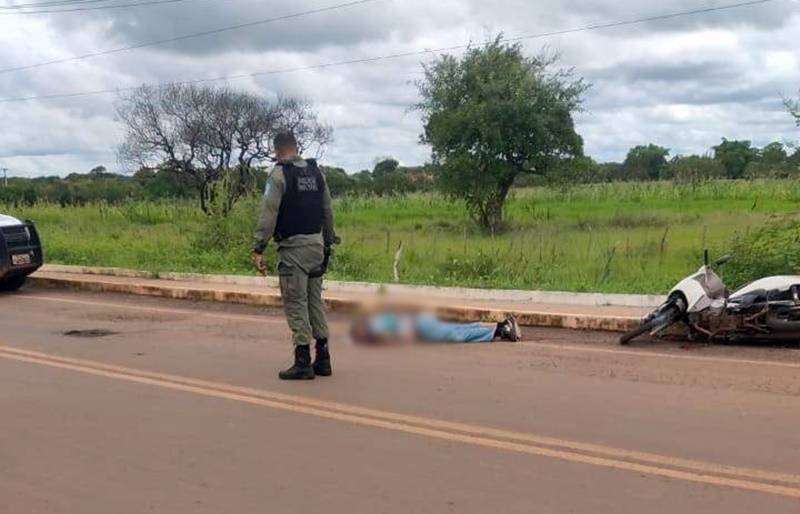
<point>53,3</point>
<point>637,21</point>
<point>398,55</point>
<point>189,36</point>
<point>13,12</point>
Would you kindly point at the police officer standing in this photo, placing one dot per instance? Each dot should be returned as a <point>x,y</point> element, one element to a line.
<point>296,212</point>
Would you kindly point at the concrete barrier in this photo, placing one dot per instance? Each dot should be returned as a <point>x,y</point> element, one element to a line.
<point>456,310</point>
<point>333,286</point>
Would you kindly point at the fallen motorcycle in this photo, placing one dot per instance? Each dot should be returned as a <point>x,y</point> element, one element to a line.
<point>767,309</point>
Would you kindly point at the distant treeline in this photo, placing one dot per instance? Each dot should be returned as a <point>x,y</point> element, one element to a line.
<point>96,186</point>
<point>728,160</point>
<point>387,178</point>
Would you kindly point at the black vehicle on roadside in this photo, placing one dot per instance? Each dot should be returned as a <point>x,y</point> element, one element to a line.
<point>20,252</point>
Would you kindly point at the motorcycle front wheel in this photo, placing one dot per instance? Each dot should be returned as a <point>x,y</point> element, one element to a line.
<point>663,319</point>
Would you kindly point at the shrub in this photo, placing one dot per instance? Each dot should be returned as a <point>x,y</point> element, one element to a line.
<point>773,249</point>
<point>768,170</point>
<point>482,266</point>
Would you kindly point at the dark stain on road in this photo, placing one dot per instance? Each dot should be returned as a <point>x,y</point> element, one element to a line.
<point>92,333</point>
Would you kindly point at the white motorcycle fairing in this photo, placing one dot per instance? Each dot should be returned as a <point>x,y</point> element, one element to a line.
<point>700,290</point>
<point>779,283</point>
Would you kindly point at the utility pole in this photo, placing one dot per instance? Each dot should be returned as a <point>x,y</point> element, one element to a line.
<point>5,177</point>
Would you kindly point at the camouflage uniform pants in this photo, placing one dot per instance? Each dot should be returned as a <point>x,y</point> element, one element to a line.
<point>302,295</point>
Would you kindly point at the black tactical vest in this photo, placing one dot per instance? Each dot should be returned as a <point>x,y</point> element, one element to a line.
<point>301,206</point>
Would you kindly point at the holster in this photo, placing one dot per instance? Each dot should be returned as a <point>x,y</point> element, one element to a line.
<point>323,268</point>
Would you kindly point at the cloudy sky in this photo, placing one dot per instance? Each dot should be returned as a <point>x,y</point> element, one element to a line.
<point>681,83</point>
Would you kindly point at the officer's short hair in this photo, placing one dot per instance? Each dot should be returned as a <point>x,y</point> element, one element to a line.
<point>283,139</point>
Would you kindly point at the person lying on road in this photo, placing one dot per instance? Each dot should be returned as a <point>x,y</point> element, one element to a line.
<point>390,327</point>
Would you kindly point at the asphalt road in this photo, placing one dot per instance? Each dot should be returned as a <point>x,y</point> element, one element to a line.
<point>176,407</point>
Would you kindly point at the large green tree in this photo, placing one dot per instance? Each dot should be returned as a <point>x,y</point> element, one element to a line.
<point>735,156</point>
<point>773,154</point>
<point>772,162</point>
<point>339,182</point>
<point>388,179</point>
<point>646,162</point>
<point>492,115</point>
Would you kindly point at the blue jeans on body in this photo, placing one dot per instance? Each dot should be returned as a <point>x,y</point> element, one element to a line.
<point>430,328</point>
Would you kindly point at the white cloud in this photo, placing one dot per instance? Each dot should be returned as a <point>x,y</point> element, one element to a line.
<point>682,83</point>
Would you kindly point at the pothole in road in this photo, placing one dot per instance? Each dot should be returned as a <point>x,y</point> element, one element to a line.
<point>92,333</point>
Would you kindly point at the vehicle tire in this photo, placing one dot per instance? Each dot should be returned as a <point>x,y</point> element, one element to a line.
<point>12,283</point>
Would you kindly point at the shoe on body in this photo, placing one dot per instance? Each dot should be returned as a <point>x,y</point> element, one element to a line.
<point>509,330</point>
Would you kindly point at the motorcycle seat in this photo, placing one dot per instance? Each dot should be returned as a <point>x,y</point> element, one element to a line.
<point>748,300</point>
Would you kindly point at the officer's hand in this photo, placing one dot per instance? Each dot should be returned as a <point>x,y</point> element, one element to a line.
<point>258,263</point>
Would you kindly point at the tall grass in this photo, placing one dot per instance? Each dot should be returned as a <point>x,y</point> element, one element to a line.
<point>606,237</point>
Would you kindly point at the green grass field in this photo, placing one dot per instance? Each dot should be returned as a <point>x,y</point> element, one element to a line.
<point>611,237</point>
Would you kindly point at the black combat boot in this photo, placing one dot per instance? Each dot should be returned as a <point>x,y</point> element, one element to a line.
<point>302,369</point>
<point>322,361</point>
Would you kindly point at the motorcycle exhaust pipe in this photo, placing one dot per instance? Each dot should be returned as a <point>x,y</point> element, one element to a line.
<point>783,326</point>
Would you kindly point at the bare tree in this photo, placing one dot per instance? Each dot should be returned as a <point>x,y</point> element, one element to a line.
<point>212,135</point>
<point>793,106</point>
